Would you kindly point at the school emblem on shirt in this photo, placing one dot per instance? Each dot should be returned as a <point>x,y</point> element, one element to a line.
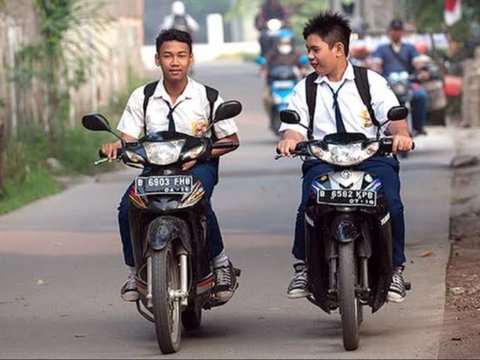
<point>199,127</point>
<point>365,118</point>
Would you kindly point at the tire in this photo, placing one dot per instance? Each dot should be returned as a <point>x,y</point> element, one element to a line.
<point>275,122</point>
<point>348,302</point>
<point>166,311</point>
<point>192,317</point>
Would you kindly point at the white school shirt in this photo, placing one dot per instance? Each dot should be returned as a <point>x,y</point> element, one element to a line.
<point>355,115</point>
<point>193,109</point>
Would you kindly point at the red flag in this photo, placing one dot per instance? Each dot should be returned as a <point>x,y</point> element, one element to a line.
<point>452,11</point>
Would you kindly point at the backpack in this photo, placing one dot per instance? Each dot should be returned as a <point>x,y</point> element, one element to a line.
<point>363,87</point>
<point>149,89</point>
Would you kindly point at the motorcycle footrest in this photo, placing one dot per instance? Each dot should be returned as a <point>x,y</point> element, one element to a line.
<point>408,286</point>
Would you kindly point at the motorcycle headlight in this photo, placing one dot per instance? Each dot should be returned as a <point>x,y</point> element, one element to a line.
<point>274,24</point>
<point>163,153</point>
<point>345,155</point>
<point>399,88</point>
<point>194,153</point>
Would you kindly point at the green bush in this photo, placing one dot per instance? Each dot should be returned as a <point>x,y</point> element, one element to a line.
<point>26,176</point>
<point>37,183</point>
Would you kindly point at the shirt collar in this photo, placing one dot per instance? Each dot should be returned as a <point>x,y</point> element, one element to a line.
<point>347,75</point>
<point>161,93</point>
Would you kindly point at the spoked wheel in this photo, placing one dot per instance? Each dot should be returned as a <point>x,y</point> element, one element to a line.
<point>166,309</point>
<point>349,304</point>
<point>192,317</point>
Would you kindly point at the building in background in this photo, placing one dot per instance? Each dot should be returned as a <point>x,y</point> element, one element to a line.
<point>370,15</point>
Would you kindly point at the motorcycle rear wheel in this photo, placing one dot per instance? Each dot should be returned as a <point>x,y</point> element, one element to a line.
<point>349,304</point>
<point>166,309</point>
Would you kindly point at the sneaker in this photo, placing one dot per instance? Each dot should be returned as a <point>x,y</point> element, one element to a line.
<point>397,291</point>
<point>129,290</point>
<point>298,287</point>
<point>225,282</point>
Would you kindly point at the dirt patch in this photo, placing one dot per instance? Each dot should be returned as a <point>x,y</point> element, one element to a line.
<point>461,330</point>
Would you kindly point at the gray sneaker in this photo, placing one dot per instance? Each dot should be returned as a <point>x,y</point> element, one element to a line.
<point>129,290</point>
<point>397,291</point>
<point>298,287</point>
<point>225,282</point>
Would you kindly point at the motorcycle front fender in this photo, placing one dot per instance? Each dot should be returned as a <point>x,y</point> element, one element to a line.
<point>344,228</point>
<point>167,229</point>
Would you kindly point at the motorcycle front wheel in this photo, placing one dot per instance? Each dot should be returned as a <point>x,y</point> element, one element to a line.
<point>349,304</point>
<point>166,308</point>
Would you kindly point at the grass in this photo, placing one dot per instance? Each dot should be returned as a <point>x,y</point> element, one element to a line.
<point>37,184</point>
<point>25,173</point>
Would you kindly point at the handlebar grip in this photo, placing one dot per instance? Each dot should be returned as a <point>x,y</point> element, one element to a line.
<point>225,145</point>
<point>103,157</point>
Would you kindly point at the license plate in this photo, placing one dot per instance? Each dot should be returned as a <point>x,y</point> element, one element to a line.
<point>347,197</point>
<point>172,184</point>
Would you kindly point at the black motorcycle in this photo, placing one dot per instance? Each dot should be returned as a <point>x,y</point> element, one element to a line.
<point>348,231</point>
<point>168,227</point>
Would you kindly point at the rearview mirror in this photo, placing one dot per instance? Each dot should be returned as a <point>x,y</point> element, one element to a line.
<point>96,122</point>
<point>397,113</point>
<point>227,110</point>
<point>290,117</point>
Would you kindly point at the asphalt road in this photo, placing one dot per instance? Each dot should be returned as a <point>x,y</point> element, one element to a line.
<point>61,267</point>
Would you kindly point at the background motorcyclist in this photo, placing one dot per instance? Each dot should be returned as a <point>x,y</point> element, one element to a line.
<point>179,19</point>
<point>339,108</point>
<point>283,53</point>
<point>180,104</point>
<point>271,9</point>
<point>398,56</point>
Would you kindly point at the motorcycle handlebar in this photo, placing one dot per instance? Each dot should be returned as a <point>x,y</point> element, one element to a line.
<point>104,159</point>
<point>302,147</point>
<point>225,145</point>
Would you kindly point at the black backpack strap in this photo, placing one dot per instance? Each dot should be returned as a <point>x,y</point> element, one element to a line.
<point>363,87</point>
<point>148,91</point>
<point>408,67</point>
<point>212,96</point>
<point>311,95</point>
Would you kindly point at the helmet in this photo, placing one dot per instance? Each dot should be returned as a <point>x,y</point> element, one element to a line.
<point>178,8</point>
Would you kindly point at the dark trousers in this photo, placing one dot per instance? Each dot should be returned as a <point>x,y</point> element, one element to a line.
<point>387,169</point>
<point>419,108</point>
<point>207,173</point>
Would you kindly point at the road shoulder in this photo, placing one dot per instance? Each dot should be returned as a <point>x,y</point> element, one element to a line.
<point>461,327</point>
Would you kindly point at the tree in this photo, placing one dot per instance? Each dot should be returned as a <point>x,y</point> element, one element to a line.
<point>428,17</point>
<point>59,59</point>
